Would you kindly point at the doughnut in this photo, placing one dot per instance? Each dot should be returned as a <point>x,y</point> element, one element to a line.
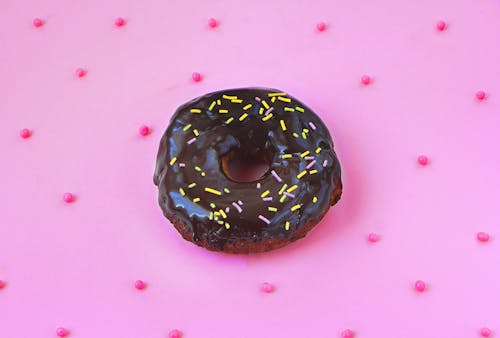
<point>212,208</point>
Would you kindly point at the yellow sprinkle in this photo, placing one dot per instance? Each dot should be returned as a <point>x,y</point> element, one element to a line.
<point>295,135</point>
<point>311,172</point>
<point>304,135</point>
<point>261,111</point>
<point>227,97</point>
<point>195,132</point>
<point>318,150</point>
<point>248,106</point>
<point>305,130</point>
<point>315,199</point>
<point>217,213</point>
<point>196,111</point>
<point>226,190</point>
<point>218,102</point>
<point>202,173</point>
<point>287,225</point>
<point>305,153</point>
<point>289,109</point>
<point>284,99</point>
<point>292,188</point>
<point>264,103</point>
<point>196,199</point>
<point>236,101</point>
<point>265,193</point>
<point>212,105</point>
<point>302,174</point>
<point>229,120</point>
<point>282,199</point>
<point>197,168</point>
<point>182,191</point>
<point>273,99</point>
<point>283,188</point>
<point>220,222</point>
<point>192,185</point>
<point>242,117</point>
<point>211,216</point>
<point>267,117</point>
<point>286,156</point>
<point>283,126</point>
<point>295,207</point>
<point>276,94</point>
<point>227,225</point>
<point>213,191</point>
<point>223,111</point>
<point>273,209</point>
<point>187,127</point>
<point>212,205</point>
<point>172,161</point>
<point>222,213</point>
<point>300,109</point>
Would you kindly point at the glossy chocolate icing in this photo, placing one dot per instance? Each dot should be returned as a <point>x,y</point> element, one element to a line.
<point>193,187</point>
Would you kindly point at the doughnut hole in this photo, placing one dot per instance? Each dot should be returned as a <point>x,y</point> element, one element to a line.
<point>246,166</point>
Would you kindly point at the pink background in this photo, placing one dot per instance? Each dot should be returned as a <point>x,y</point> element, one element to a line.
<point>75,265</point>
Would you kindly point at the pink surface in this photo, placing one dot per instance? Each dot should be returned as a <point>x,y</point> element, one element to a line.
<point>74,265</point>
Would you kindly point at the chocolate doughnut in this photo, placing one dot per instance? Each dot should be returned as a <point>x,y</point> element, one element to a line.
<point>209,207</point>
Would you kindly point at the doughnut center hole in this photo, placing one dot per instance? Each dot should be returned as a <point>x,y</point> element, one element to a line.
<point>245,166</point>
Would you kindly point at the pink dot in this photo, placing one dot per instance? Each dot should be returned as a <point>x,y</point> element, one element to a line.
<point>144,130</point>
<point>119,22</point>
<point>25,133</point>
<point>423,160</point>
<point>420,286</point>
<point>483,237</point>
<point>37,22</point>
<point>212,23</point>
<point>373,237</point>
<point>485,332</point>
<point>441,25</point>
<point>321,26</point>
<point>80,72</point>
<point>2,284</point>
<point>347,333</point>
<point>267,287</point>
<point>175,334</point>
<point>480,95</point>
<point>140,284</point>
<point>366,80</point>
<point>68,197</point>
<point>62,332</point>
<point>196,77</point>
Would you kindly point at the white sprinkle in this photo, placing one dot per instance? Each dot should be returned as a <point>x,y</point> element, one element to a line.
<point>237,207</point>
<point>265,220</point>
<point>308,158</point>
<point>182,165</point>
<point>311,164</point>
<point>287,194</point>
<point>257,99</point>
<point>227,209</point>
<point>267,199</point>
<point>258,185</point>
<point>268,111</point>
<point>276,176</point>
<point>325,162</point>
<point>313,127</point>
<point>191,140</point>
<point>240,202</point>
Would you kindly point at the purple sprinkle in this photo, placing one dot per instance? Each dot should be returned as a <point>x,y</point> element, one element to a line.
<point>268,111</point>
<point>258,185</point>
<point>287,194</point>
<point>240,202</point>
<point>313,127</point>
<point>325,163</point>
<point>257,99</point>
<point>237,207</point>
<point>227,209</point>
<point>191,140</point>
<point>308,158</point>
<point>276,176</point>
<point>267,199</point>
<point>182,165</point>
<point>311,164</point>
<point>265,220</point>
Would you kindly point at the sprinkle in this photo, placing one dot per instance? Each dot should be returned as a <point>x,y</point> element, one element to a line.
<point>257,99</point>
<point>144,130</point>
<point>265,193</point>
<point>311,164</point>
<point>258,185</point>
<point>283,126</point>
<point>197,168</point>
<point>213,191</point>
<point>227,191</point>
<point>267,199</point>
<point>196,199</point>
<point>289,109</point>
<point>182,165</point>
<point>264,103</point>
<point>191,140</point>
<point>223,111</point>
<point>282,199</point>
<point>283,188</point>
<point>304,135</point>
<point>211,216</point>
<point>261,110</point>
<point>196,111</point>
<point>68,197</point>
<point>366,80</point>
<point>295,207</point>
<point>318,150</point>
<point>186,128</point>
<point>441,25</point>
<point>226,224</point>
<point>286,156</point>
<point>273,99</point>
<point>218,102</point>
<point>183,193</point>
<point>420,286</point>
<point>202,173</point>
<point>312,172</point>
<point>265,220</point>
<point>292,188</point>
<point>227,209</point>
<point>240,202</point>
<point>308,158</point>
<point>315,199</point>
<point>236,101</point>
<point>63,332</point>
<point>302,174</point>
<point>196,132</point>
<point>227,97</point>
<point>212,205</point>
<point>196,77</point>
<point>223,213</point>
<point>287,194</point>
<point>305,153</point>
<point>267,117</point>
<point>248,106</point>
<point>313,127</point>
<point>237,207</point>
<point>287,225</point>
<point>212,105</point>
<point>284,99</point>
<point>300,109</point>
<point>172,161</point>
<point>276,94</point>
<point>25,133</point>
<point>269,110</point>
<point>273,209</point>
<point>325,162</point>
<point>229,120</point>
<point>483,236</point>
<point>276,176</point>
<point>295,135</point>
<point>242,117</point>
<point>305,130</point>
<point>192,185</point>
<point>37,22</point>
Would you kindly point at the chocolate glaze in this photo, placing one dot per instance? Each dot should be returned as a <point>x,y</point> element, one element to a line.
<point>185,158</point>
